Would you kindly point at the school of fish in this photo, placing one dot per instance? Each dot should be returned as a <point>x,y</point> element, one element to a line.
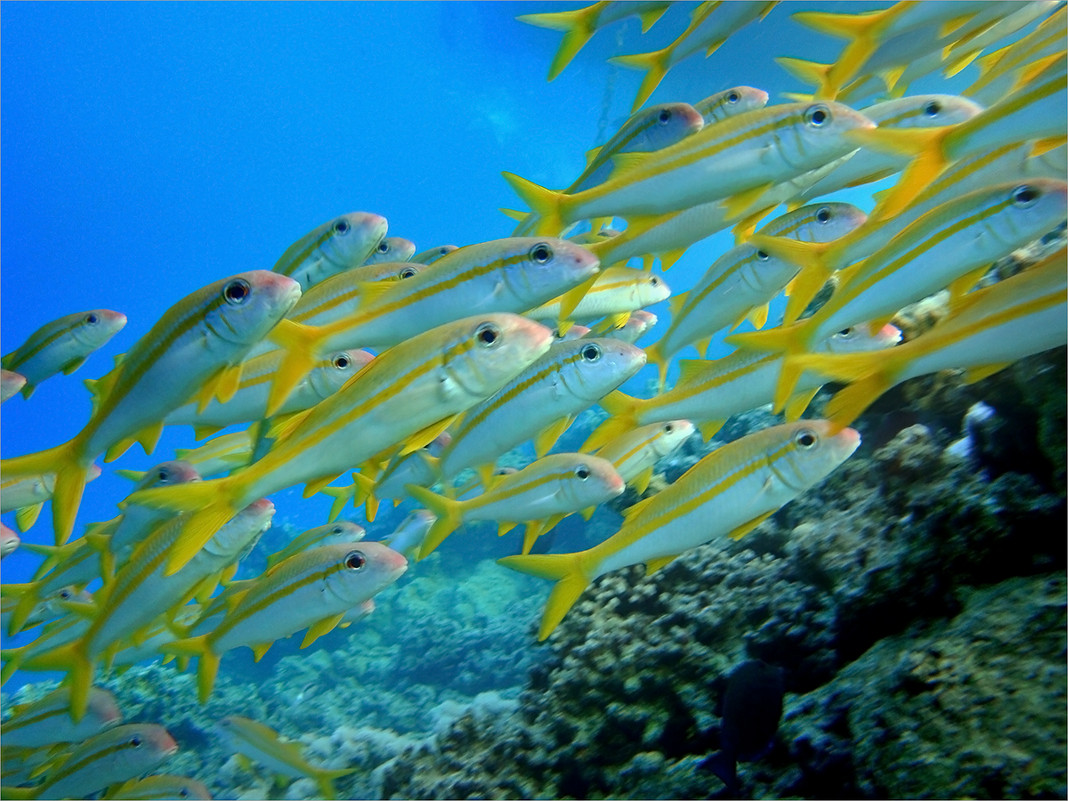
<point>357,368</point>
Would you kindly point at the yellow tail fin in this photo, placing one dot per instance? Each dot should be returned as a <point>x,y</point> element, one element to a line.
<point>71,468</point>
<point>543,202</point>
<point>448,511</point>
<point>566,570</point>
<point>654,65</point>
<point>624,417</point>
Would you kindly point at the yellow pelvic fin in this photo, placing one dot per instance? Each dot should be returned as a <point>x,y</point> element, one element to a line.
<point>744,203</point>
<point>745,528</point>
<point>27,516</point>
<point>571,299</point>
<point>848,404</point>
<point>623,409</point>
<point>317,630</point>
<point>709,428</point>
<point>654,565</point>
<point>668,258</point>
<point>423,438</point>
<point>641,481</point>
<point>547,437</point>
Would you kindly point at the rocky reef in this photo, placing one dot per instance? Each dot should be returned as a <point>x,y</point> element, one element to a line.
<point>915,600</point>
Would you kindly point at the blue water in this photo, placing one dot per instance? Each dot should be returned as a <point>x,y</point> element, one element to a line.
<point>150,149</point>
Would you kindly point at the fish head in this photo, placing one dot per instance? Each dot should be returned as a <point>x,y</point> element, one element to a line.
<point>392,249</point>
<point>816,132</point>
<point>1026,211</point>
<point>167,473</point>
<point>537,269</point>
<point>242,309</point>
<point>242,531</point>
<point>729,102</point>
<point>485,352</point>
<point>650,289</point>
<point>922,111</point>
<point>9,540</point>
<point>817,222</point>
<point>664,125</point>
<point>671,435</point>
<point>97,326</point>
<point>363,569</point>
<point>351,238</point>
<point>142,745</point>
<point>802,454</point>
<point>103,708</point>
<point>591,368</point>
<point>861,337</point>
<point>330,374</point>
<point>597,480</point>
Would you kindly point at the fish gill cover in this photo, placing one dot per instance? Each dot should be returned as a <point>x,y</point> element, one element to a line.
<point>872,504</point>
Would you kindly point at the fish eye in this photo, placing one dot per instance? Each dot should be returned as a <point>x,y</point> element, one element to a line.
<point>163,474</point>
<point>1024,196</point>
<point>383,246</point>
<point>846,333</point>
<point>763,256</point>
<point>591,353</point>
<point>355,560</point>
<point>654,281</point>
<point>932,109</point>
<point>582,472</point>
<point>64,595</point>
<point>407,272</point>
<point>817,116</point>
<point>733,97</point>
<point>341,227</point>
<point>663,116</point>
<point>183,792</point>
<point>541,253</point>
<point>92,319</point>
<point>823,215</point>
<point>336,530</point>
<point>135,741</point>
<point>443,250</point>
<point>805,438</point>
<point>668,428</point>
<point>341,361</point>
<point>237,291</point>
<point>487,334</point>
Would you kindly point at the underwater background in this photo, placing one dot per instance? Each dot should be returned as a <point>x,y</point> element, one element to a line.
<point>915,600</point>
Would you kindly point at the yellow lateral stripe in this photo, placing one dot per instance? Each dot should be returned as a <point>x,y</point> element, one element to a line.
<point>302,255</point>
<point>69,768</point>
<point>245,611</point>
<point>1017,100</point>
<point>866,281</point>
<point>507,491</point>
<point>509,394</point>
<point>14,723</point>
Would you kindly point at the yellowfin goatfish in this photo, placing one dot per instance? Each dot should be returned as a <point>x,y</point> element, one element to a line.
<point>635,453</point>
<point>47,722</point>
<point>539,403</point>
<point>433,254</point>
<point>709,392</point>
<point>311,590</point>
<point>740,157</point>
<point>27,494</point>
<point>62,345</point>
<point>330,534</point>
<point>49,607</point>
<point>503,275</point>
<point>262,744</point>
<point>36,655</point>
<point>160,786</point>
<point>984,332</point>
<point>650,129</point>
<point>1034,110</point>
<point>637,324</point>
<point>742,282</point>
<point>391,249</point>
<point>113,756</point>
<point>140,592</point>
<point>219,455</point>
<point>339,296</point>
<point>614,293</point>
<point>917,111</point>
<point>331,248</point>
<point>195,341</point>
<point>541,494</point>
<point>408,537</point>
<point>727,493</point>
<point>414,388</point>
<point>9,541</point>
<point>249,402</point>
<point>10,383</point>
<point>866,32</point>
<point>736,100</point>
<point>1000,70</point>
<point>580,24</point>
<point>710,26</point>
<point>952,245</point>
